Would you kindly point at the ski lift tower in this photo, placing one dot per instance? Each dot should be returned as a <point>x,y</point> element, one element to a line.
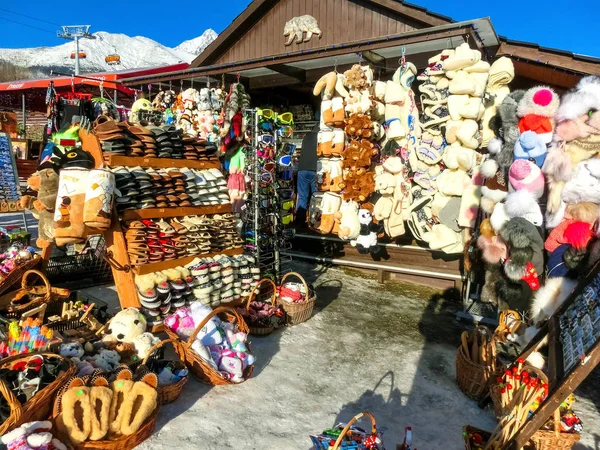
<point>74,33</point>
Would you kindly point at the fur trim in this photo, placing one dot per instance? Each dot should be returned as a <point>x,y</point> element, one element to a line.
<point>487,204</point>
<point>494,146</point>
<point>100,399</point>
<point>553,219</point>
<point>499,217</point>
<point>121,389</point>
<point>493,250</point>
<point>488,168</point>
<point>518,233</point>
<point>523,204</point>
<point>583,212</point>
<point>549,298</point>
<point>139,404</point>
<point>76,401</point>
<point>578,102</point>
<point>575,258</point>
<point>514,271</point>
<point>578,234</point>
<point>558,164</point>
<point>536,359</point>
<point>493,194</point>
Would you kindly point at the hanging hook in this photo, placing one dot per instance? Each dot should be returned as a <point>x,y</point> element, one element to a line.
<point>192,83</point>
<point>208,82</point>
<point>101,89</point>
<point>181,86</point>
<point>335,61</point>
<point>238,75</point>
<point>360,57</point>
<point>448,43</point>
<point>170,86</point>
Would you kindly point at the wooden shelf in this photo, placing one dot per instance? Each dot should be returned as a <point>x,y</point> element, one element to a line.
<point>159,163</point>
<point>164,265</point>
<point>159,213</point>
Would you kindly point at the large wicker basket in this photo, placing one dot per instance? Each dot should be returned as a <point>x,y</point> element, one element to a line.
<point>299,312</point>
<point>473,379</point>
<point>257,330</point>
<point>120,443</point>
<point>338,442</point>
<point>40,405</point>
<point>37,295</point>
<point>197,366</point>
<point>171,392</point>
<point>553,440</point>
<point>15,275</point>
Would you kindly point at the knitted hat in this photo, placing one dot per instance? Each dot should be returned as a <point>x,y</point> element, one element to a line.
<point>539,100</point>
<point>523,204</point>
<point>541,125</point>
<point>584,185</point>
<point>524,174</point>
<point>531,146</point>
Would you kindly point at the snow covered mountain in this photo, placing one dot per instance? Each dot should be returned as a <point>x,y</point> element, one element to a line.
<point>135,52</point>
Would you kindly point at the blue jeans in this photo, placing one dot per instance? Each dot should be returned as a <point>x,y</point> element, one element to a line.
<point>307,185</point>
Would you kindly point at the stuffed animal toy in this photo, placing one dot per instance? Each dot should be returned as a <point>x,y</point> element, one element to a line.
<point>329,85</point>
<point>549,298</point>
<point>358,102</point>
<point>209,334</point>
<point>71,350</point>
<point>45,182</point>
<point>125,326</point>
<point>366,242</point>
<point>143,343</point>
<point>106,360</point>
<point>359,126</point>
<point>523,204</point>
<point>32,436</point>
<point>358,77</point>
<point>349,224</point>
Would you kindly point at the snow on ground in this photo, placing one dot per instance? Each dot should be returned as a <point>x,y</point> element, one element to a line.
<point>387,349</point>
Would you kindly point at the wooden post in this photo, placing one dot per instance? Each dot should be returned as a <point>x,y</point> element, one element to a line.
<point>115,243</point>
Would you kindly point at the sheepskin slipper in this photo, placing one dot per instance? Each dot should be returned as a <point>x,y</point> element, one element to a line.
<point>139,403</point>
<point>121,388</point>
<point>100,402</point>
<point>76,412</point>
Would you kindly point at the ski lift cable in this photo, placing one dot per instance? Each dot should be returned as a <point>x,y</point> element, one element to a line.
<point>26,25</point>
<point>29,17</point>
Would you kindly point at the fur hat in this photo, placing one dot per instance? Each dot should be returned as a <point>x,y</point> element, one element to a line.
<point>493,249</point>
<point>531,146</point>
<point>524,174</point>
<point>539,100</point>
<point>578,102</point>
<point>494,190</point>
<point>525,245</point>
<point>584,185</point>
<point>523,204</point>
<point>498,217</point>
<point>583,212</point>
<point>505,127</point>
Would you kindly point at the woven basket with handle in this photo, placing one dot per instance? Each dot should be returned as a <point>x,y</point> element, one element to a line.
<point>258,330</point>
<point>474,379</point>
<point>299,312</point>
<point>338,442</point>
<point>15,275</point>
<point>495,394</point>
<point>168,393</point>
<point>196,365</point>
<point>40,405</point>
<point>28,297</point>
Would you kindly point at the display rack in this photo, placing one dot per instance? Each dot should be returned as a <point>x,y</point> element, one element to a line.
<point>123,272</point>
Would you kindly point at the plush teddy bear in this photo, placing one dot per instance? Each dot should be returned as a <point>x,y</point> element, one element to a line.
<point>329,84</point>
<point>358,77</point>
<point>106,360</point>
<point>347,218</point>
<point>126,326</point>
<point>359,102</point>
<point>32,436</point>
<point>71,350</point>
<point>358,186</point>
<point>359,126</point>
<point>366,242</point>
<point>144,342</point>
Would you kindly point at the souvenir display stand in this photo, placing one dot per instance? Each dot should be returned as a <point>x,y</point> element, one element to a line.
<point>10,192</point>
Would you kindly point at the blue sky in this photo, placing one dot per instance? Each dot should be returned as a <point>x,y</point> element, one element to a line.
<point>551,24</point>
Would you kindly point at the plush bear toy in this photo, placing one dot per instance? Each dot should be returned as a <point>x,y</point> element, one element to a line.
<point>126,326</point>
<point>143,343</point>
<point>106,360</point>
<point>71,350</point>
<point>359,125</point>
<point>347,217</point>
<point>366,242</point>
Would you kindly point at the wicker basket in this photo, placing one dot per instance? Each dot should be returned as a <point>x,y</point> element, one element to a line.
<point>258,330</point>
<point>553,440</point>
<point>297,313</point>
<point>473,379</point>
<point>171,392</point>
<point>13,277</point>
<point>121,443</point>
<point>40,405</point>
<point>197,366</point>
<point>40,294</point>
<point>338,442</point>
<point>468,430</point>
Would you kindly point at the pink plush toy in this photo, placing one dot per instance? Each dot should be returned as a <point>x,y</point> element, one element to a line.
<point>32,436</point>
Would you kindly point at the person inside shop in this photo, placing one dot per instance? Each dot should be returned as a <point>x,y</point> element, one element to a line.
<point>307,175</point>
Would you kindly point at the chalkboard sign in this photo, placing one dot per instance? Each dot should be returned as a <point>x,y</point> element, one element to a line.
<point>573,336</point>
<point>9,179</point>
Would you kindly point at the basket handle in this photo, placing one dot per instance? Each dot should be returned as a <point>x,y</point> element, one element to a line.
<point>301,278</point>
<point>255,289</point>
<point>214,312</point>
<point>16,408</point>
<point>24,284</point>
<point>349,424</point>
<point>156,347</point>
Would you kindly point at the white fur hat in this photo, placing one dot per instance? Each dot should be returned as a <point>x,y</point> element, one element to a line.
<point>578,102</point>
<point>498,217</point>
<point>523,204</point>
<point>584,185</point>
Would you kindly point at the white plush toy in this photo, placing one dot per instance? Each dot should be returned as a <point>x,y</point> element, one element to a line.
<point>143,343</point>
<point>32,435</point>
<point>348,217</point>
<point>208,335</point>
<point>366,242</point>
<point>126,326</point>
